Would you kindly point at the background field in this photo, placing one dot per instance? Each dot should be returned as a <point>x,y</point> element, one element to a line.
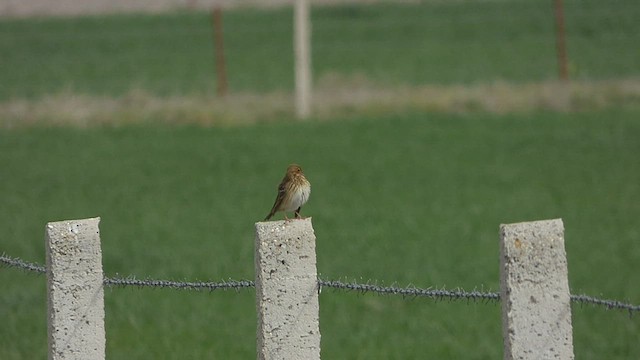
<point>404,196</point>
<point>399,44</point>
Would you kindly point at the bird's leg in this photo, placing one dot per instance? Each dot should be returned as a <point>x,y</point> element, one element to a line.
<point>298,213</point>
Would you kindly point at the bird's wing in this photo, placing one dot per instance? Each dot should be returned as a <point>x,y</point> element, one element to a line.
<point>282,189</point>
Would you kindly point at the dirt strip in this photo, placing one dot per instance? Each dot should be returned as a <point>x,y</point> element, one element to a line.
<point>331,98</point>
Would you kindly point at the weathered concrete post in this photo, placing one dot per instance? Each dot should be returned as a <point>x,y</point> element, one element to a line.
<point>75,290</point>
<point>287,291</point>
<point>536,308</point>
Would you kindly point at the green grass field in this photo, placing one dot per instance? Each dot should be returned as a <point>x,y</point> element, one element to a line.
<point>409,198</point>
<point>401,197</point>
<point>434,43</point>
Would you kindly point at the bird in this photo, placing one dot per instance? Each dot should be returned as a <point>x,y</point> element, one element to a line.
<point>293,192</point>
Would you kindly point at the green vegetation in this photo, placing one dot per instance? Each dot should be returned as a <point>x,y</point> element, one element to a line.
<point>410,198</point>
<point>390,44</point>
<point>407,197</point>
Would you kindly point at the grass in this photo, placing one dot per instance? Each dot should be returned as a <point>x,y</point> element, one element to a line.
<point>389,44</point>
<point>412,198</point>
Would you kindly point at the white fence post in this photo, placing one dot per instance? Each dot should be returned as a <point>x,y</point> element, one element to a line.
<point>536,308</point>
<point>75,290</point>
<point>302,48</point>
<point>287,291</point>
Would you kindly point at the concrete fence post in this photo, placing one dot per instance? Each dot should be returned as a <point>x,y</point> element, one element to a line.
<point>287,291</point>
<point>536,308</point>
<point>75,290</point>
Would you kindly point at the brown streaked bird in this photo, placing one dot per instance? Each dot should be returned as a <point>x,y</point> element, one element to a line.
<point>293,192</point>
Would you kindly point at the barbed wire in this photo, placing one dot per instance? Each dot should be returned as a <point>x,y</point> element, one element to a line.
<point>179,285</point>
<point>21,264</point>
<point>607,303</point>
<point>363,288</point>
<point>410,291</point>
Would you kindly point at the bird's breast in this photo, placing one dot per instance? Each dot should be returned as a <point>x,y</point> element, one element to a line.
<point>299,197</point>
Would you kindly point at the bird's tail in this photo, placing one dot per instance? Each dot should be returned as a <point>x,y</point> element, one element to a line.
<point>269,216</point>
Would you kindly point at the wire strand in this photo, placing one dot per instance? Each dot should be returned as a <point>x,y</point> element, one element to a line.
<point>363,288</point>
